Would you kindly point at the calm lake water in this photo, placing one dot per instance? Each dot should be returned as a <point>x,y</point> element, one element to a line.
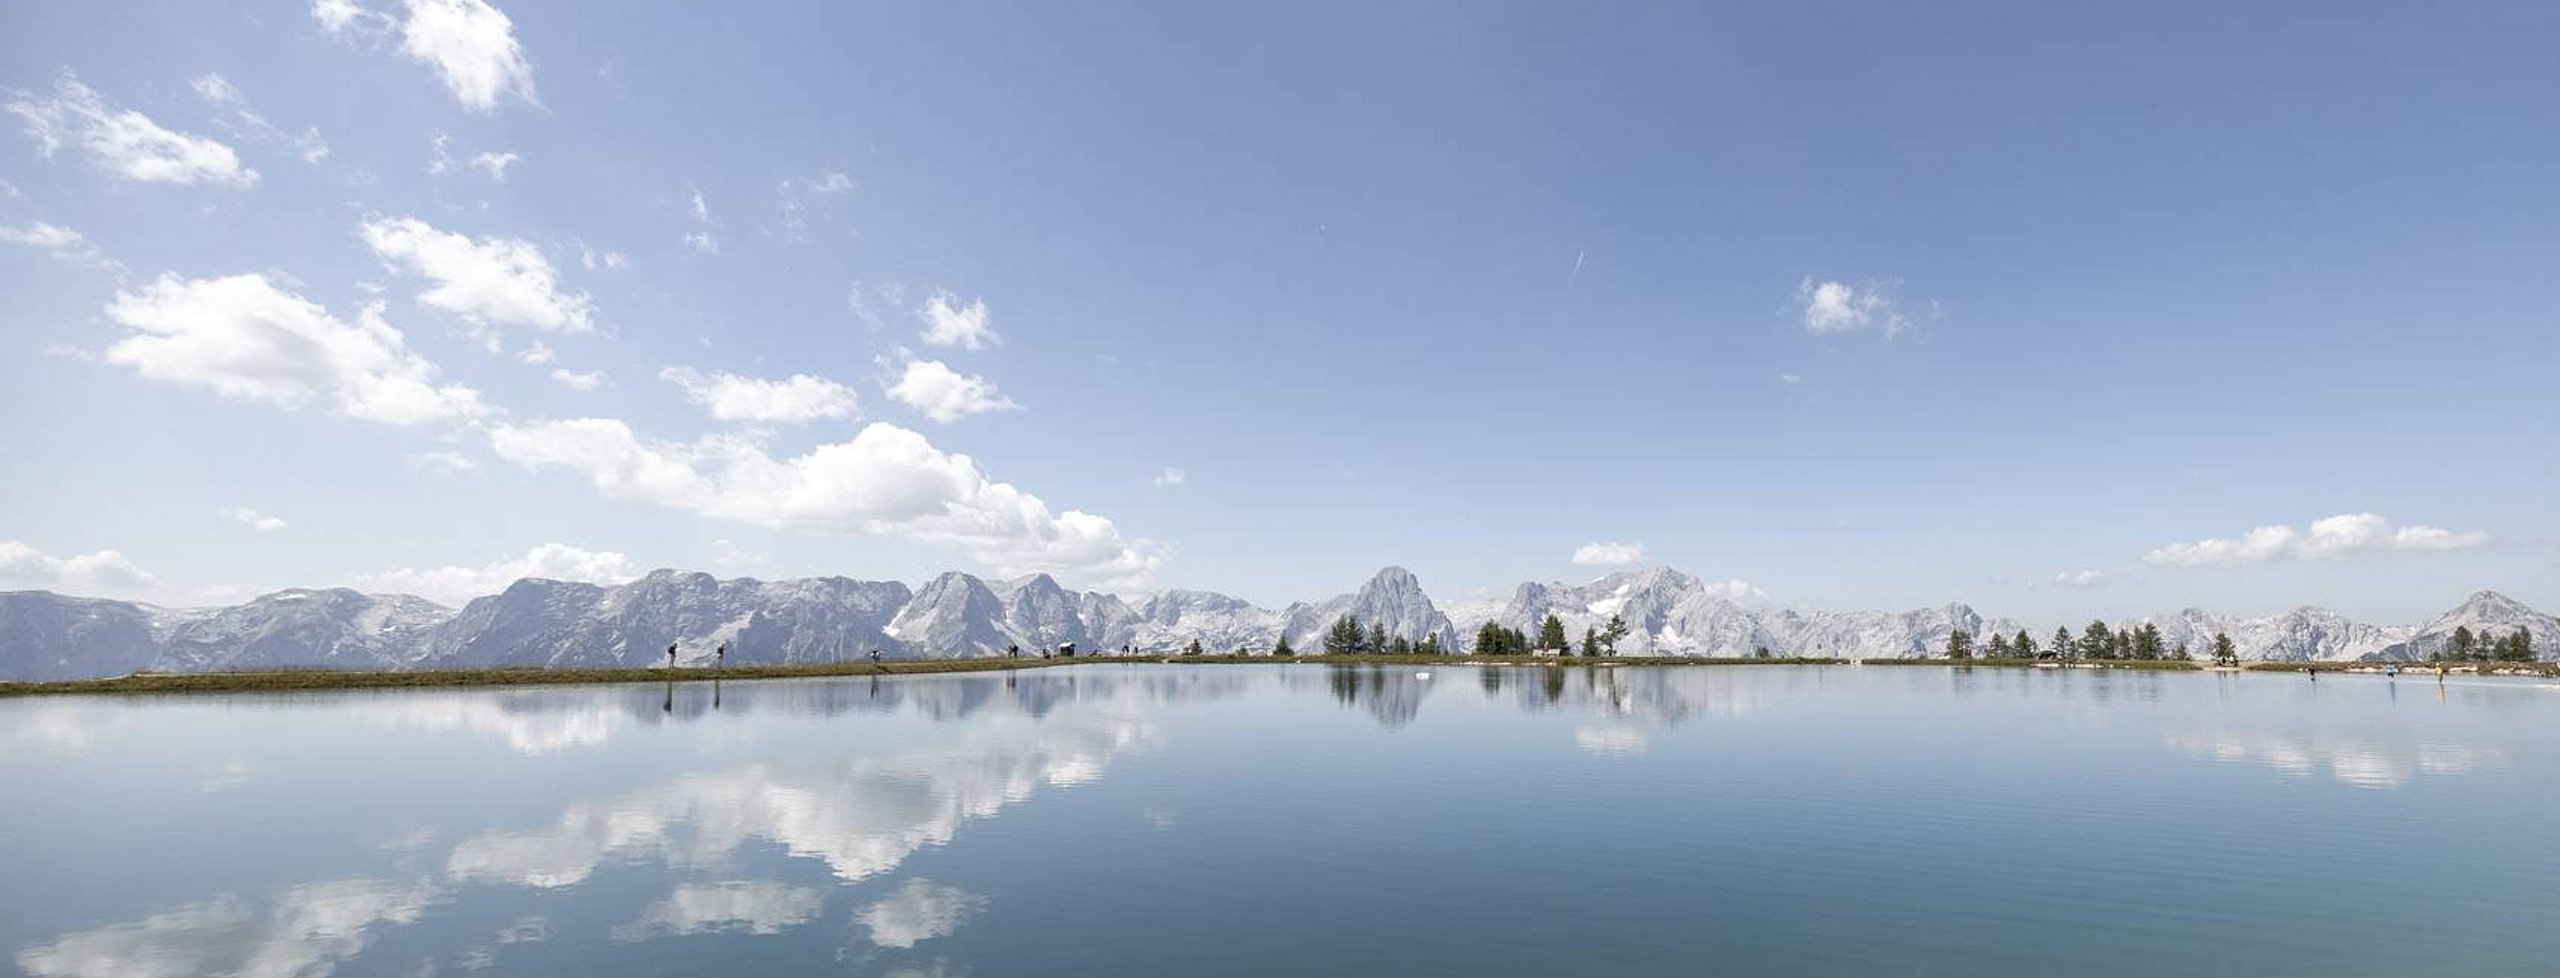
<point>1116,820</point>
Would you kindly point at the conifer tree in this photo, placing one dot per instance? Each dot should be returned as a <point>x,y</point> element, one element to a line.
<point>2061,642</point>
<point>1999,646</point>
<point>1551,634</point>
<point>1377,637</point>
<point>1194,648</point>
<point>1959,645</point>
<point>2224,653</point>
<point>2025,646</point>
<point>1611,634</point>
<point>1590,642</point>
<point>1281,647</point>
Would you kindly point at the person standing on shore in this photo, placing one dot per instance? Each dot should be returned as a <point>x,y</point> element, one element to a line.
<point>719,655</point>
<point>671,655</point>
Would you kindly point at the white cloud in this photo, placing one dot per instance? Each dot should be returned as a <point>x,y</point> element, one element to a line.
<point>457,585</point>
<point>449,461</point>
<point>1170,476</point>
<point>215,89</point>
<point>495,164</point>
<point>797,399</point>
<point>2086,577</point>
<point>489,282</point>
<point>887,480</point>
<point>1836,307</point>
<point>307,932</point>
<point>1791,378</point>
<point>759,907</point>
<point>1737,591</point>
<point>946,395</point>
<point>341,16</point>
<point>63,243</point>
<point>312,148</point>
<point>243,337</point>
<point>1607,554</point>
<point>918,910</point>
<point>103,572</point>
<point>255,520</point>
<point>949,323</point>
<point>832,183</point>
<point>2334,538</point>
<point>702,242</point>
<point>538,353</point>
<point>701,208</point>
<point>125,142</point>
<point>470,45</point>
<point>594,260</point>
<point>577,380</point>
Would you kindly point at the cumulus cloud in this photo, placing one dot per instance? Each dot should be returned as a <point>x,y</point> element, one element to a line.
<point>489,282</point>
<point>470,45</point>
<point>244,337</point>
<point>125,142</point>
<point>948,322</point>
<point>2086,577</point>
<point>1608,554</point>
<point>793,400</point>
<point>577,380</point>
<point>458,584</point>
<point>306,932</point>
<point>918,910</point>
<point>212,87</point>
<point>1737,591</point>
<point>1838,307</point>
<point>64,243</point>
<point>23,567</point>
<point>2335,538</point>
<point>887,480</point>
<point>1170,476</point>
<point>759,907</point>
<point>946,395</point>
<point>255,520</point>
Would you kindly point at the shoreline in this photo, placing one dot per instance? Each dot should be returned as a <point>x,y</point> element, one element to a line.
<point>337,679</point>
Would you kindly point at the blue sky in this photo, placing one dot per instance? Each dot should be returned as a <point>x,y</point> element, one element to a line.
<point>1868,305</point>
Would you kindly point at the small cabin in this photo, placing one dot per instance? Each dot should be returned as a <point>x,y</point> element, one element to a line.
<point>1066,650</point>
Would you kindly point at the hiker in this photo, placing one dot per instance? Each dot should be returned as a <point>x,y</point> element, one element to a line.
<point>671,655</point>
<point>875,657</point>
<point>719,654</point>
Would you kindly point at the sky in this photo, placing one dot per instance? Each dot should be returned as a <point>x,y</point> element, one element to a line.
<point>2061,312</point>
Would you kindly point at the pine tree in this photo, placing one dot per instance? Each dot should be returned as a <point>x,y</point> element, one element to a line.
<point>2224,653</point>
<point>1999,646</point>
<point>2097,641</point>
<point>2463,643</point>
<point>1377,637</point>
<point>1613,633</point>
<point>1399,646</point>
<point>2517,647</point>
<point>2061,642</point>
<point>1193,649</point>
<point>1281,647</point>
<point>1590,642</point>
<point>1551,634</point>
<point>1959,645</point>
<point>1344,637</point>
<point>1430,645</point>
<point>2025,646</point>
<point>2147,643</point>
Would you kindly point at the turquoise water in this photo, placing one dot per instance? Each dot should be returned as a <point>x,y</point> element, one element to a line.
<point>1114,820</point>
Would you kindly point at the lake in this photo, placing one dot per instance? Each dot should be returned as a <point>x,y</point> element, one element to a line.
<point>1117,820</point>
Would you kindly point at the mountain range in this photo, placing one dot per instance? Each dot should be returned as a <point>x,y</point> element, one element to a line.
<point>538,622</point>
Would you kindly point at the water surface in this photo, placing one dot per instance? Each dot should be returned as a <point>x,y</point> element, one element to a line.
<point>1112,820</point>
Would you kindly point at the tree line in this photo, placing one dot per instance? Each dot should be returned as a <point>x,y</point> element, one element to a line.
<point>2467,645</point>
<point>2098,641</point>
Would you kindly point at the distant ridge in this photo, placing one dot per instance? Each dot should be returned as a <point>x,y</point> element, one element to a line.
<point>536,622</point>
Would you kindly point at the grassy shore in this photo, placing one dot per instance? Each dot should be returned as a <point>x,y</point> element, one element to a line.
<point>313,679</point>
<point>2148,665</point>
<point>294,679</point>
